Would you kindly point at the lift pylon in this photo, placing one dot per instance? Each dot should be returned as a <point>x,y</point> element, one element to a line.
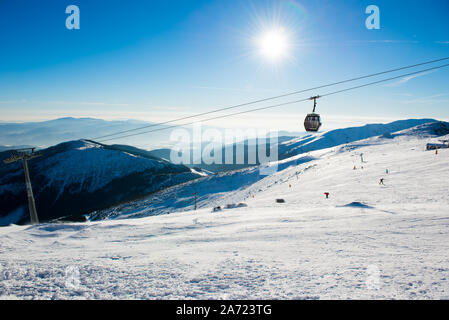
<point>26,154</point>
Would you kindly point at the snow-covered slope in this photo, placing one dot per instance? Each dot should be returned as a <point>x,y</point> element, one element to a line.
<point>214,190</point>
<point>332,138</point>
<point>78,177</point>
<point>366,241</point>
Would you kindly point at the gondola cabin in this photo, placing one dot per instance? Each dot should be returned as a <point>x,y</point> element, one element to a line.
<point>312,123</point>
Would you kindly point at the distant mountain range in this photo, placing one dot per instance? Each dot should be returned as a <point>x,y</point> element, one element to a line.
<point>49,133</point>
<point>78,177</point>
<point>238,150</point>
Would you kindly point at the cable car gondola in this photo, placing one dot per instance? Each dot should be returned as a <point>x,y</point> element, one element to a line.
<point>312,122</point>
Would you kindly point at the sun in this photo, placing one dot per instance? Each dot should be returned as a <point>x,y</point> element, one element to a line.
<point>273,44</point>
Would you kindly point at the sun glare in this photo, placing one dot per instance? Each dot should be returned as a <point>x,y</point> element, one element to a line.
<point>273,44</point>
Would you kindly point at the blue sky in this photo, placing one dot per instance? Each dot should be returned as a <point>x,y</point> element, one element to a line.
<point>158,60</point>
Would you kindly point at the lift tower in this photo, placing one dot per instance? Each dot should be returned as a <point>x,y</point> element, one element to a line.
<point>26,154</point>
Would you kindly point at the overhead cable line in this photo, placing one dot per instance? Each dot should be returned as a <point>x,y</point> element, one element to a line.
<point>270,98</point>
<point>280,104</point>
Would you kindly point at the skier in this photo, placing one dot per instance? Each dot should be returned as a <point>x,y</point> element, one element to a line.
<point>327,195</point>
<point>381,181</point>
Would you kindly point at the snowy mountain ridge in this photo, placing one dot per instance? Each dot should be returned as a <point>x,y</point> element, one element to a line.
<point>77,177</point>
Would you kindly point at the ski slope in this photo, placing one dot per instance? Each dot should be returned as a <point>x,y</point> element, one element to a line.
<point>367,241</point>
<point>215,190</point>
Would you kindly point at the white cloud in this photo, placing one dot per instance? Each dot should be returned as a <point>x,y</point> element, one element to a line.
<point>436,98</point>
<point>88,103</point>
<point>392,41</point>
<point>408,78</point>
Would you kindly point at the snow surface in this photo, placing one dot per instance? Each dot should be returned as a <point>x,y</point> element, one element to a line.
<point>367,241</point>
